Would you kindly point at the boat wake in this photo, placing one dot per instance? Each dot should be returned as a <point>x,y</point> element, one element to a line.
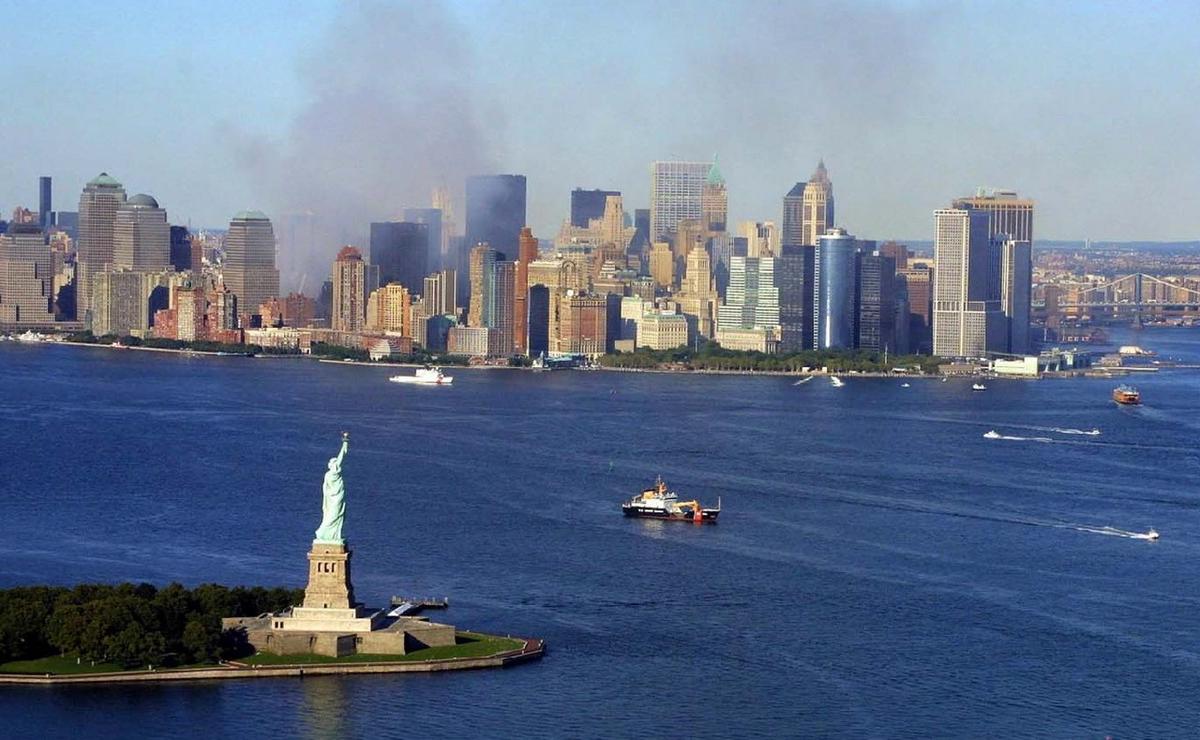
<point>1114,532</point>
<point>993,434</point>
<point>802,381</point>
<point>1088,432</point>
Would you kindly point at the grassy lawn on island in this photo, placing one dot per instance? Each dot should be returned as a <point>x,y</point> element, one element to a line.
<point>470,645</point>
<point>58,665</point>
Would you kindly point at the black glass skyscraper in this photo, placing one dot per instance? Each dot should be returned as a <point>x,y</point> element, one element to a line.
<point>400,249</point>
<point>45,203</point>
<point>432,218</point>
<point>181,249</point>
<point>588,204</point>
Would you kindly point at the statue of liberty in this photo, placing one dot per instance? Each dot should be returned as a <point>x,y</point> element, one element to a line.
<point>333,505</point>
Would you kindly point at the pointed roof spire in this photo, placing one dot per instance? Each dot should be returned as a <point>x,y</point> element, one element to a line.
<point>820,175</point>
<point>714,174</point>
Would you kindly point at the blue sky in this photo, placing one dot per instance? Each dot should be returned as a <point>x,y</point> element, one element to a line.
<point>1090,108</point>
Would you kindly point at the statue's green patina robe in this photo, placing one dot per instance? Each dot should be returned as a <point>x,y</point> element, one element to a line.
<point>333,505</point>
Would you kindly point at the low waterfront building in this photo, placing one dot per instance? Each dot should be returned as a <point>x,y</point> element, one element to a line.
<point>283,338</point>
<point>473,341</point>
<point>763,339</point>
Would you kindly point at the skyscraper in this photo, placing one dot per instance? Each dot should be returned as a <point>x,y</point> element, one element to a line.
<point>439,296</point>
<point>588,204</point>
<point>641,235</point>
<point>527,251</point>
<point>918,285</point>
<point>967,320</point>
<point>1010,225</point>
<point>249,268</point>
<point>94,252</point>
<point>400,249</point>
<point>714,201</point>
<point>762,238</point>
<point>141,235</point>
<point>876,322</point>
<point>794,272</point>
<point>898,253</point>
<point>835,277</point>
<point>503,303</point>
<point>483,257</point>
<point>539,319</point>
<point>793,216</point>
<point>350,290</point>
<point>432,219</point>
<point>389,309</point>
<point>45,203</point>
<point>751,310</point>
<point>676,190</point>
<point>817,206</point>
<point>26,276</point>
<point>181,250</point>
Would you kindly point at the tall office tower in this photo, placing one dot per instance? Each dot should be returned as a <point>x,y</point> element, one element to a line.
<point>483,257</point>
<point>762,238</point>
<point>876,321</point>
<point>527,251</point>
<point>439,296</point>
<point>689,236</point>
<point>503,302</point>
<point>584,324</point>
<point>26,276</point>
<point>120,302</point>
<point>918,285</point>
<point>753,298</point>
<point>400,250</point>
<point>495,211</point>
<point>588,204</point>
<point>835,277</point>
<point>662,265</point>
<point>389,309</point>
<point>1007,213</point>
<point>181,249</point>
<point>432,219</point>
<point>698,297</point>
<point>45,204</point>
<point>898,252</point>
<point>641,232</point>
<point>351,286</point>
<point>967,320</point>
<point>94,249</point>
<point>1010,219</point>
<point>793,216</point>
<point>1016,287</point>
<point>325,301</point>
<point>794,272</point>
<point>675,194</point>
<point>817,206</point>
<point>68,221</point>
<point>141,235</point>
<point>539,320</point>
<point>249,268</point>
<point>714,201</point>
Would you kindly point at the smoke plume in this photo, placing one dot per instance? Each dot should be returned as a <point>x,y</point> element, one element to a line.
<point>392,112</point>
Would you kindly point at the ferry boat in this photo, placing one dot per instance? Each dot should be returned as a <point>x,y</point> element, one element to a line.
<point>424,376</point>
<point>658,502</point>
<point>1126,395</point>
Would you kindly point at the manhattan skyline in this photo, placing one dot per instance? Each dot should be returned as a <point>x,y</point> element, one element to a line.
<point>359,109</point>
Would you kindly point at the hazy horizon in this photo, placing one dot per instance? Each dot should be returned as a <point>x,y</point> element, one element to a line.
<point>356,110</point>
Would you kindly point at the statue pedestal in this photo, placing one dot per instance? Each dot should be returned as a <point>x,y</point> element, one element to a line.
<point>329,598</point>
<point>329,578</point>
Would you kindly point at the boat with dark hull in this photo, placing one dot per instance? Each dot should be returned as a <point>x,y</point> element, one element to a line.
<point>658,502</point>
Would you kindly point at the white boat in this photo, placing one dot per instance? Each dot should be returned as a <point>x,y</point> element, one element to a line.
<point>1093,433</point>
<point>424,376</point>
<point>993,434</point>
<point>837,382</point>
<point>978,387</point>
<point>1151,535</point>
<point>904,385</point>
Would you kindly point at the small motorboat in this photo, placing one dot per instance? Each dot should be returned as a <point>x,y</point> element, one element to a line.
<point>978,387</point>
<point>993,434</point>
<point>905,385</point>
<point>1152,534</point>
<point>836,381</point>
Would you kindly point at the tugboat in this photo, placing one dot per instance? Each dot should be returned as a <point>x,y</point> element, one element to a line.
<point>1126,395</point>
<point>659,503</point>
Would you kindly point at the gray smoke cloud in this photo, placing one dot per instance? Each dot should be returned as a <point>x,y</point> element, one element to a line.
<point>393,110</point>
